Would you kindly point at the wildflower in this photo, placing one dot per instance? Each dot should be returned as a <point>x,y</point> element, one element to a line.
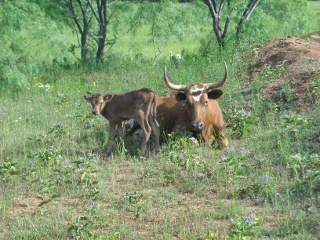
<point>195,207</point>
<point>257,219</point>
<point>32,164</point>
<point>25,169</point>
<point>212,234</point>
<point>169,135</point>
<point>248,218</point>
<point>264,178</point>
<point>49,157</point>
<point>67,102</point>
<point>246,152</point>
<point>64,162</point>
<point>244,112</point>
<point>38,84</point>
<point>94,83</point>
<point>56,150</point>
<point>230,149</point>
<point>78,91</point>
<point>59,123</point>
<point>91,203</point>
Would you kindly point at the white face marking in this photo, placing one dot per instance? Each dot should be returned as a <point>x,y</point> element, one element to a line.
<point>196,93</point>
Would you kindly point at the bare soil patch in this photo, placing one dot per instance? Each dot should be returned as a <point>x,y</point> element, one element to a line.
<point>295,67</point>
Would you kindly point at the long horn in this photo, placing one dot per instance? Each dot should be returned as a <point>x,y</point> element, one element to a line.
<point>172,86</point>
<point>218,84</point>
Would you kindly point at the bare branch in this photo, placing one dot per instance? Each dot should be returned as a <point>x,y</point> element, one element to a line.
<point>250,7</point>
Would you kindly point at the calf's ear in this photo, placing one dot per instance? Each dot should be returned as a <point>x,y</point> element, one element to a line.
<point>88,98</point>
<point>107,97</point>
<point>179,96</point>
<point>215,94</point>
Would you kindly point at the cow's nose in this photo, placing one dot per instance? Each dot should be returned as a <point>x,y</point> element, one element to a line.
<point>95,112</point>
<point>197,125</point>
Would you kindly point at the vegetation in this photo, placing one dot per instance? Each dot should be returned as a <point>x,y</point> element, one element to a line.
<point>53,183</point>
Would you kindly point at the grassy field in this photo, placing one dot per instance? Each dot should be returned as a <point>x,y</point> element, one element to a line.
<point>264,185</point>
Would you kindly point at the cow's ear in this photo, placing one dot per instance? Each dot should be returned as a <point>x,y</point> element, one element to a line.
<point>215,94</point>
<point>179,96</point>
<point>107,97</point>
<point>88,98</point>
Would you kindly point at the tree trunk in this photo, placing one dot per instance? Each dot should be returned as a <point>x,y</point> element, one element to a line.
<point>215,14</point>
<point>101,17</point>
<point>250,7</point>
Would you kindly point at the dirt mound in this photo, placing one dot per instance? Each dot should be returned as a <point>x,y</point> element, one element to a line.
<point>289,69</point>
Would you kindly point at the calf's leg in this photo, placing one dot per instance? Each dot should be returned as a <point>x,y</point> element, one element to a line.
<point>146,133</point>
<point>112,132</point>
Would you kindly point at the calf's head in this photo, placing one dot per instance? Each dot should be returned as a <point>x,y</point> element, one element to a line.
<point>196,97</point>
<point>98,102</point>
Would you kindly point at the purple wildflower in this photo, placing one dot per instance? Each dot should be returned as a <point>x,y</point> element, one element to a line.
<point>32,164</point>
<point>65,162</point>
<point>230,149</point>
<point>91,203</point>
<point>244,112</point>
<point>264,178</point>
<point>246,152</point>
<point>250,218</point>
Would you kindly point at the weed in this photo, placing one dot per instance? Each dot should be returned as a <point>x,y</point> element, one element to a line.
<point>80,227</point>
<point>132,202</point>
<point>240,121</point>
<point>47,192</point>
<point>8,169</point>
<point>244,226</point>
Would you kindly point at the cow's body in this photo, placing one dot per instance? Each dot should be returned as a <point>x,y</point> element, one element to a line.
<point>139,105</point>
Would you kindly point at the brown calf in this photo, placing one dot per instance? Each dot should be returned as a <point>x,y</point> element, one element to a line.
<point>139,105</point>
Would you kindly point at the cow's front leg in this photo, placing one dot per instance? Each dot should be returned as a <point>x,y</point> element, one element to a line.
<point>112,132</point>
<point>208,136</point>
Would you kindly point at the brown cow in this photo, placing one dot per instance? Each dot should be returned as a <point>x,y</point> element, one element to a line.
<point>195,108</point>
<point>139,105</point>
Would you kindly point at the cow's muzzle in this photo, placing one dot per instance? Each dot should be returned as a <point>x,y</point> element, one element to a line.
<point>197,125</point>
<point>95,112</point>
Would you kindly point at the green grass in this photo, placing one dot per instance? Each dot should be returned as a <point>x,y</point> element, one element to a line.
<point>51,174</point>
<point>314,10</point>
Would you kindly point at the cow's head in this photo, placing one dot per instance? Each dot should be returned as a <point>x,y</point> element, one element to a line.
<point>196,97</point>
<point>98,102</point>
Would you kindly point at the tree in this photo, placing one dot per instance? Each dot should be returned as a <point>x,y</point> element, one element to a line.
<point>216,8</point>
<point>80,12</point>
<point>91,19</point>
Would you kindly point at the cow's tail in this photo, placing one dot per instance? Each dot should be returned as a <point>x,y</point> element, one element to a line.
<point>154,106</point>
